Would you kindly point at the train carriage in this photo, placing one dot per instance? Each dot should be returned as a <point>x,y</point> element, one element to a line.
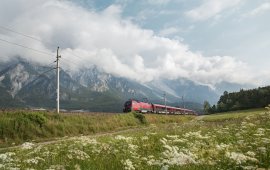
<point>143,107</point>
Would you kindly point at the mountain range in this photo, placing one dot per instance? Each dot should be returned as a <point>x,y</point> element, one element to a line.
<point>23,84</point>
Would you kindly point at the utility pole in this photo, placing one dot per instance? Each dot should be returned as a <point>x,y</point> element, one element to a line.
<point>183,103</point>
<point>165,102</point>
<point>133,94</point>
<point>57,81</point>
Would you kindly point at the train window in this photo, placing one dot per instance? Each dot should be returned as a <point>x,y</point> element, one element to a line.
<point>128,103</point>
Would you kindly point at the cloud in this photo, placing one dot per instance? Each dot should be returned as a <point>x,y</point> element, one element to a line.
<point>158,2</point>
<point>105,39</point>
<point>259,10</point>
<point>169,31</point>
<point>210,8</point>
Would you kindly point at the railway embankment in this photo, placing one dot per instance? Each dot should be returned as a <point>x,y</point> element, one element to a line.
<point>17,127</point>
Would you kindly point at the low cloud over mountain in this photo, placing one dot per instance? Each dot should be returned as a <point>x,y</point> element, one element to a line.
<point>108,40</point>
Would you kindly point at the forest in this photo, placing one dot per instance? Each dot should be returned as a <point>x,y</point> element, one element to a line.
<point>244,99</point>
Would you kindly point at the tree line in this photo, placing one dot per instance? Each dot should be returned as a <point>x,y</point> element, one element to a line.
<point>244,99</point>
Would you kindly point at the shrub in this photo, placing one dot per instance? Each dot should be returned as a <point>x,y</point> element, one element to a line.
<point>140,117</point>
<point>37,118</point>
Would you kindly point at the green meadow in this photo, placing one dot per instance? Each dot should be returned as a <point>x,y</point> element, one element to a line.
<point>235,140</point>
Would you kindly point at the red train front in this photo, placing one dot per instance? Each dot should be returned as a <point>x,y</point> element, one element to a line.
<point>135,105</point>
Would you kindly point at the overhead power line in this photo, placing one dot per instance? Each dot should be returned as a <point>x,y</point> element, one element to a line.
<point>57,61</point>
<point>43,73</point>
<point>28,36</point>
<point>36,39</point>
<point>49,65</point>
<point>70,62</point>
<point>29,48</point>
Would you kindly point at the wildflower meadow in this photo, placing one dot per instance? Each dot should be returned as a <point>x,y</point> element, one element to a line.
<point>202,143</point>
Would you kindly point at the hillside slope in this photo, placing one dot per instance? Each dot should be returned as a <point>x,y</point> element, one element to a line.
<point>24,85</point>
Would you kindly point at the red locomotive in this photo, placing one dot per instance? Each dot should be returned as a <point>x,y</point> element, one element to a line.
<point>143,107</point>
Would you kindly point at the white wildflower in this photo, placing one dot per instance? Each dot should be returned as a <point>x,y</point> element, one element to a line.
<point>152,133</point>
<point>265,140</point>
<point>247,118</point>
<point>48,153</point>
<point>180,140</point>
<point>172,156</point>
<point>249,167</point>
<point>241,142</point>
<point>153,125</point>
<point>128,165</point>
<point>145,138</point>
<point>240,158</point>
<point>56,167</point>
<point>120,137</point>
<point>7,157</point>
<point>13,168</point>
<point>77,167</point>
<point>243,123</point>
<point>152,162</point>
<point>132,147</point>
<point>151,156</point>
<point>27,145</point>
<point>250,153</point>
<point>244,126</point>
<point>35,160</point>
<point>222,146</point>
<point>251,125</point>
<point>165,167</point>
<point>84,140</point>
<point>196,135</point>
<point>164,141</point>
<point>238,135</point>
<point>144,158</point>
<point>78,154</point>
<point>219,131</point>
<point>116,151</point>
<point>259,132</point>
<point>172,136</point>
<point>262,149</point>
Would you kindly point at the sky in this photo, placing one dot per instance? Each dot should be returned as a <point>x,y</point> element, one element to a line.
<point>206,41</point>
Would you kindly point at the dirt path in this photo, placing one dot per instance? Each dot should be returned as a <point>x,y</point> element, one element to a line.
<point>199,118</point>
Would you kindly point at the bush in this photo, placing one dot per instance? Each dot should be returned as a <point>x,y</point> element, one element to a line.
<point>140,117</point>
<point>37,118</point>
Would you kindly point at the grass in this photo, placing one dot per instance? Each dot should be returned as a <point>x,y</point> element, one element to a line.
<point>240,141</point>
<point>233,114</point>
<point>21,126</point>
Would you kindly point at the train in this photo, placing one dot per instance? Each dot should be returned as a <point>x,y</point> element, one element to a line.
<point>144,107</point>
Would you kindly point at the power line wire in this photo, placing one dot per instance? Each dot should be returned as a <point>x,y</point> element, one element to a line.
<point>49,65</point>
<point>28,36</point>
<point>43,73</point>
<point>39,40</point>
<point>29,48</point>
<point>69,61</point>
<point>36,39</point>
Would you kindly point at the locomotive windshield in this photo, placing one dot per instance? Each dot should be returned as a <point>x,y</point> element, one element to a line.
<point>127,106</point>
<point>128,103</point>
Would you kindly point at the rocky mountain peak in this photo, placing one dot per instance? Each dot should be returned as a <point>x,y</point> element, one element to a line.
<point>91,87</point>
<point>15,77</point>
